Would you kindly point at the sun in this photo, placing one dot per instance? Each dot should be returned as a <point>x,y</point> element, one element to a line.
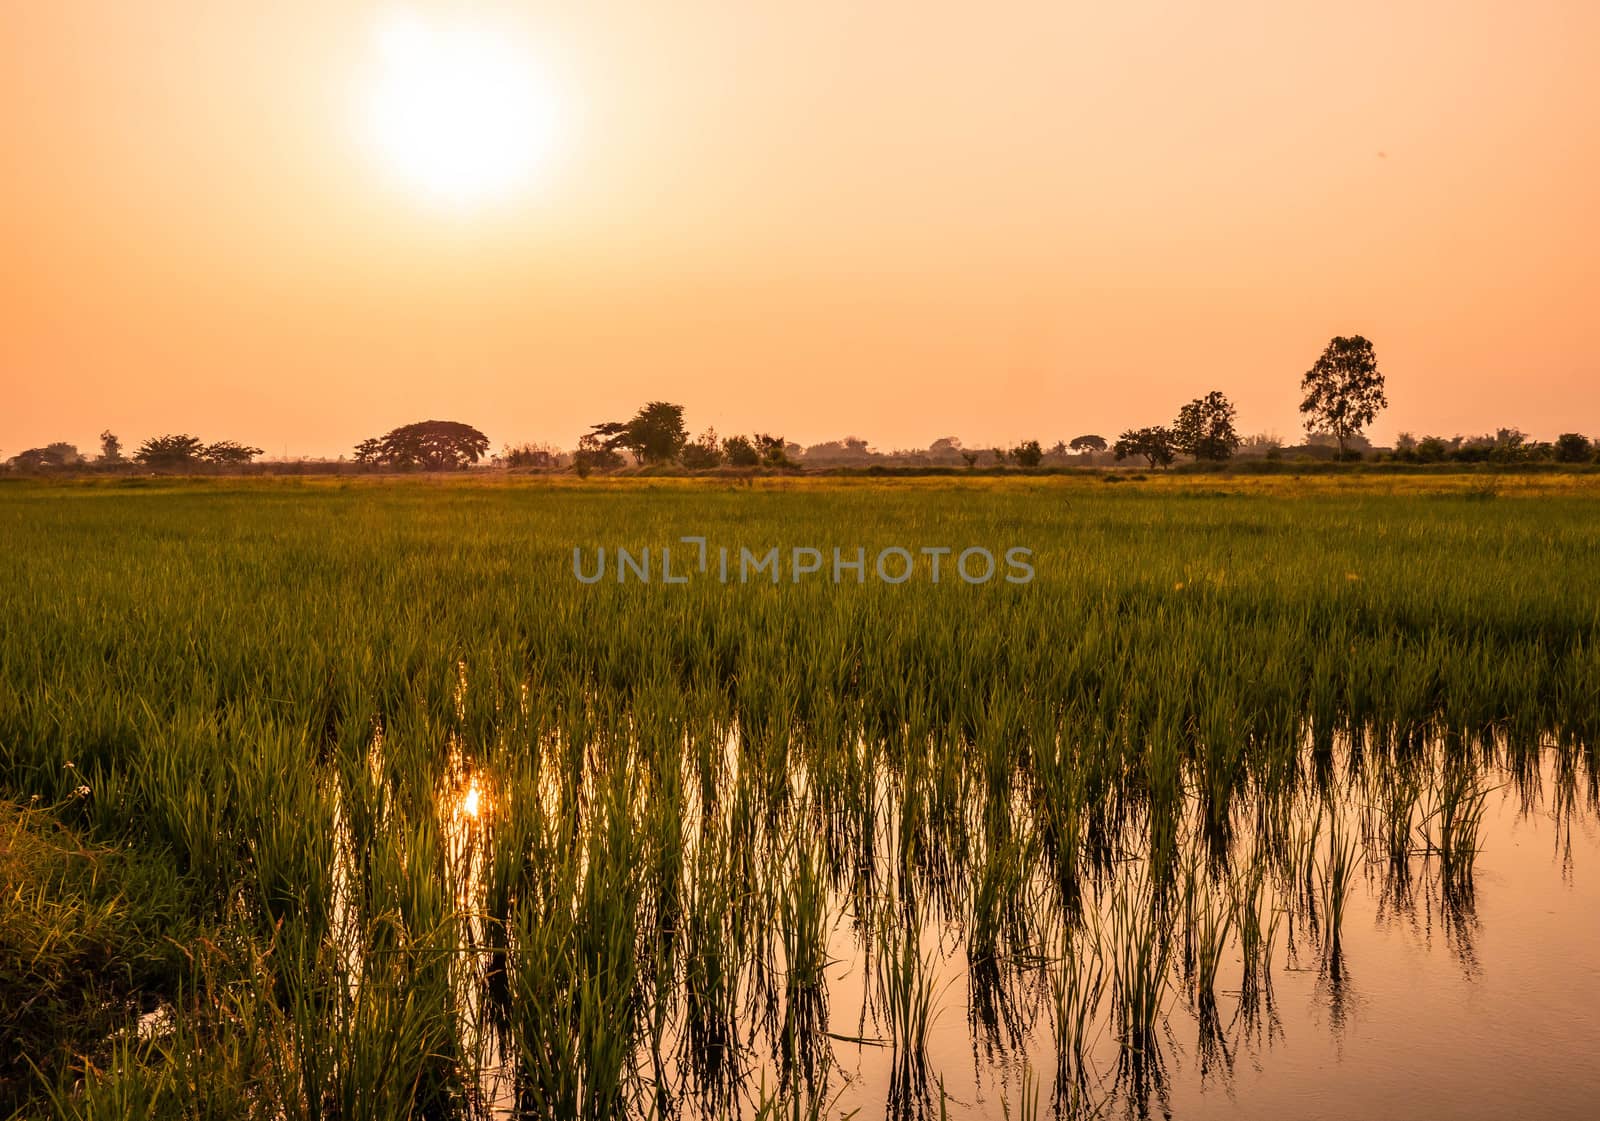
<point>458,111</point>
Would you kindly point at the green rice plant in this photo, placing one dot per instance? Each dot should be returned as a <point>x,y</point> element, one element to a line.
<point>276,695</point>
<point>803,930</point>
<point>1138,941</point>
<point>1337,872</point>
<point>1077,985</point>
<point>905,999</point>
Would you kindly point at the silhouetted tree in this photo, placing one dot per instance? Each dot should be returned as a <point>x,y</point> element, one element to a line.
<point>1027,454</point>
<point>428,445</point>
<point>1091,443</point>
<point>110,448</point>
<point>703,452</point>
<point>59,454</point>
<point>655,434</point>
<point>970,458</point>
<point>1154,443</point>
<point>1344,390</point>
<point>229,452</point>
<point>772,450</point>
<point>594,455</point>
<point>740,452</point>
<point>1204,428</point>
<point>170,451</point>
<point>1571,447</point>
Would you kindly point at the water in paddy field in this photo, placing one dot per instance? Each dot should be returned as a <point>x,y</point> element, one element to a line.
<point>1489,1009</point>
<point>1396,942</point>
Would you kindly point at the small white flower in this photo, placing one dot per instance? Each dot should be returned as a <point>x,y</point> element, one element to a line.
<point>82,791</point>
<point>71,766</point>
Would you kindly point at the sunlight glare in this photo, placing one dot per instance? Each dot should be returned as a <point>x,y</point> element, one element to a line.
<point>457,109</point>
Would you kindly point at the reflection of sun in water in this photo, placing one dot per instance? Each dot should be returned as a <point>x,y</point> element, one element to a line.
<point>456,109</point>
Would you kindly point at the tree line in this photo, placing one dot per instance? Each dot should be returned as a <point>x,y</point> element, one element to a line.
<point>1343,394</point>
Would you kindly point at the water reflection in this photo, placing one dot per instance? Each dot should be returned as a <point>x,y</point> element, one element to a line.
<point>648,921</point>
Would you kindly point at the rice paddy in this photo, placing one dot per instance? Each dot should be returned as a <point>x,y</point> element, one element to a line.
<point>348,800</point>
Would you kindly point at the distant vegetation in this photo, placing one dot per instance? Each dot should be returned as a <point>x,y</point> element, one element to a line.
<point>1344,393</point>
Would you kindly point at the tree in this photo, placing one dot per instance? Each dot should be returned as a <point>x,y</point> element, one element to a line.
<point>1027,454</point>
<point>772,450</point>
<point>592,454</point>
<point>170,451</point>
<point>655,434</point>
<point>110,448</point>
<point>427,445</point>
<point>740,452</point>
<point>703,452</point>
<point>1573,448</point>
<point>1204,428</point>
<point>1154,443</point>
<point>970,458</point>
<point>229,452</point>
<point>59,454</point>
<point>1344,390</point>
<point>1431,449</point>
<point>1085,444</point>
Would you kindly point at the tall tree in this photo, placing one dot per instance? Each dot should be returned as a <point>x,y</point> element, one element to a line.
<point>110,448</point>
<point>1204,428</point>
<point>1344,390</point>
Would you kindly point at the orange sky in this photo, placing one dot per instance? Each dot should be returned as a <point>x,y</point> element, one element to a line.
<point>894,219</point>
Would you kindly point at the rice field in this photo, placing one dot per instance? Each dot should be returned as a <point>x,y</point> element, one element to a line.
<point>349,799</point>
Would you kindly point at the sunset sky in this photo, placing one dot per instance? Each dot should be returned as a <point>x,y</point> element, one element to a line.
<point>892,219</point>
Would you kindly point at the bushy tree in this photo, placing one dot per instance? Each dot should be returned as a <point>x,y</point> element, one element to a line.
<point>171,451</point>
<point>704,452</point>
<point>1431,449</point>
<point>1027,454</point>
<point>1154,443</point>
<point>772,450</point>
<point>1344,390</point>
<point>655,434</point>
<point>594,454</point>
<point>428,445</point>
<point>110,448</point>
<point>229,452</point>
<point>1204,428</point>
<point>739,451</point>
<point>1571,447</point>
<point>1089,443</point>
<point>59,454</point>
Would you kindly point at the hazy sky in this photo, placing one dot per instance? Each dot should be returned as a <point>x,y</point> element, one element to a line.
<point>893,219</point>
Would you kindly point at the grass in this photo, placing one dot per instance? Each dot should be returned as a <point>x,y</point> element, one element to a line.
<point>694,805</point>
